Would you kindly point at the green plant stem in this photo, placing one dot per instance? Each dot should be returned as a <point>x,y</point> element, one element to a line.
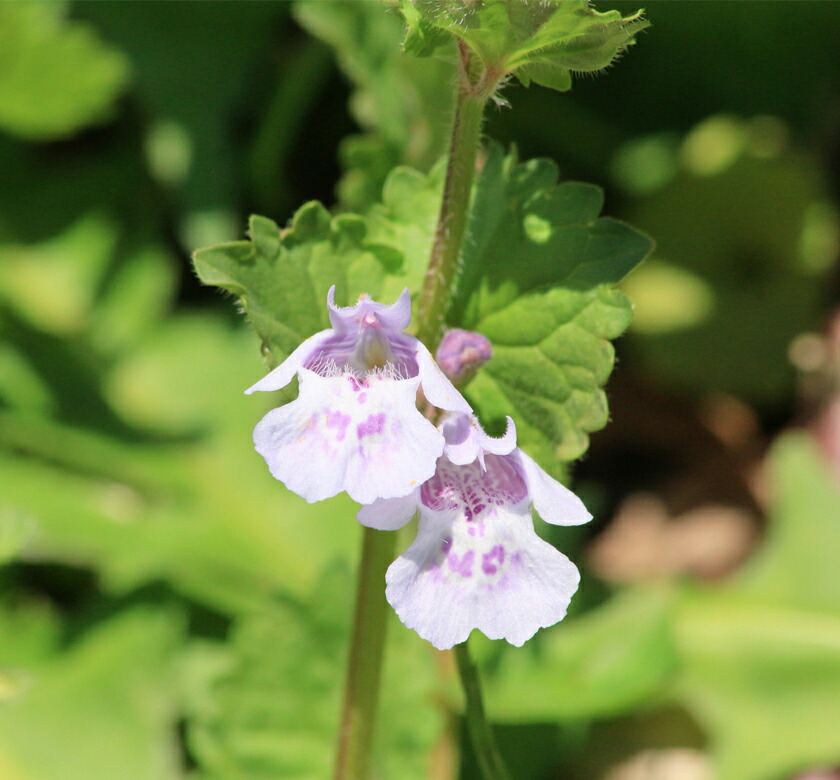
<point>484,743</point>
<point>364,667</point>
<point>368,641</point>
<point>454,210</point>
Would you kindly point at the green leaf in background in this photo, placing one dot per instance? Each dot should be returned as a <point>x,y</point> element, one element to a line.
<point>608,661</point>
<point>395,96</point>
<point>794,566</point>
<point>397,100</point>
<point>201,513</point>
<point>30,635</point>
<point>192,505</point>
<point>761,657</point>
<point>192,88</point>
<point>273,711</point>
<point>747,236</point>
<point>56,76</point>
<point>551,316</point>
<point>542,42</point>
<point>16,529</point>
<point>53,284</point>
<point>762,675</point>
<point>104,708</point>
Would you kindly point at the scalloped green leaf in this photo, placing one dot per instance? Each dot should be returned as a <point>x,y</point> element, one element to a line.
<point>541,41</point>
<point>539,270</point>
<point>282,276</point>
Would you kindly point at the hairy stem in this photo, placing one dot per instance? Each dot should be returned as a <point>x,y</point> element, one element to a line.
<point>484,743</point>
<point>454,209</point>
<point>364,665</point>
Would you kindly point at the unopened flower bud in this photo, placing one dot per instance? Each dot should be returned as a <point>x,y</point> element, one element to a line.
<point>461,353</point>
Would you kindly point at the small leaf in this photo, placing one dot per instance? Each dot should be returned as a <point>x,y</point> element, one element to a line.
<point>546,76</point>
<point>282,277</point>
<point>537,41</point>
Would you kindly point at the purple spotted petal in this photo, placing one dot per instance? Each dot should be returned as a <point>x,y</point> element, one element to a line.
<point>476,561</point>
<point>491,572</point>
<point>344,433</point>
<point>471,489</point>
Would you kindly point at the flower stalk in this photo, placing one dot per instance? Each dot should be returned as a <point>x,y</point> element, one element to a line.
<point>475,86</point>
<point>441,273</point>
<point>484,744</point>
<point>438,290</point>
<point>364,665</point>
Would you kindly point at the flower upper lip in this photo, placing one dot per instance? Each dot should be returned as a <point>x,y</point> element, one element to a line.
<point>370,320</point>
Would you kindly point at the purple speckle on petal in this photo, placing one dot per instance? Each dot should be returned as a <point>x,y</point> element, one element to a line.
<point>462,566</point>
<point>497,553</point>
<point>355,383</point>
<point>374,424</point>
<point>361,398</point>
<point>339,421</point>
<point>446,544</point>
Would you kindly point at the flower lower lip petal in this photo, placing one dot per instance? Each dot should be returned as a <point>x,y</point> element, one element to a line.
<point>503,580</point>
<point>476,561</point>
<point>365,437</point>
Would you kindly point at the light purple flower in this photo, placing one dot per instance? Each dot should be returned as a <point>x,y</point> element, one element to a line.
<point>477,561</point>
<point>355,425</point>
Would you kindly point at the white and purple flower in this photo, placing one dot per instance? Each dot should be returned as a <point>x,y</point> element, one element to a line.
<point>476,561</point>
<point>355,425</point>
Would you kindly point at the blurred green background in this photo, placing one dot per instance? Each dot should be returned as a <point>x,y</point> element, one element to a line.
<point>168,610</point>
